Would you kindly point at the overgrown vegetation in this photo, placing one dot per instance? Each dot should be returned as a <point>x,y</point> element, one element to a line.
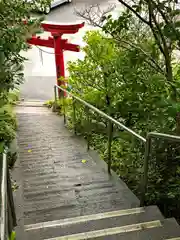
<point>13,35</point>
<point>7,124</point>
<point>12,236</point>
<point>131,72</point>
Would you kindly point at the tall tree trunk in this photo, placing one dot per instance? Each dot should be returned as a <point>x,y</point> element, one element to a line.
<point>169,75</point>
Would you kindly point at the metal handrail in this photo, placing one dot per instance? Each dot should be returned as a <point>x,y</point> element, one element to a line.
<point>146,141</point>
<point>4,198</point>
<point>8,216</point>
<point>102,113</point>
<point>149,138</point>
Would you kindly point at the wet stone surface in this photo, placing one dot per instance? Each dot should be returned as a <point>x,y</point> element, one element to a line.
<point>56,184</point>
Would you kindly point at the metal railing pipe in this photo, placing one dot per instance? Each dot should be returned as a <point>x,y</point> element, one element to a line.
<point>4,197</point>
<point>103,114</point>
<point>8,215</point>
<point>146,141</point>
<point>150,136</point>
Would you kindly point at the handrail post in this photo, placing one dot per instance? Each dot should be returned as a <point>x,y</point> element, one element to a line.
<point>64,109</point>
<point>11,201</point>
<point>4,213</point>
<point>8,215</point>
<point>74,114</point>
<point>9,218</point>
<point>144,180</point>
<point>55,98</point>
<point>88,127</point>
<point>110,136</point>
<point>114,121</point>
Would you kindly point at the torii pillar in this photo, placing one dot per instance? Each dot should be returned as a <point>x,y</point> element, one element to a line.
<point>59,44</point>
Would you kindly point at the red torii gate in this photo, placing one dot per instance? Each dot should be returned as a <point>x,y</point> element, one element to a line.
<point>58,44</point>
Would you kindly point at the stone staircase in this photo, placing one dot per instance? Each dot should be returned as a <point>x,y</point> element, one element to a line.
<point>63,198</point>
<point>136,223</point>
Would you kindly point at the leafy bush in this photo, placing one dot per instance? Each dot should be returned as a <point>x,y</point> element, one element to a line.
<point>13,39</point>
<point>8,125</point>
<point>126,87</point>
<point>49,103</point>
<point>12,236</point>
<point>13,97</point>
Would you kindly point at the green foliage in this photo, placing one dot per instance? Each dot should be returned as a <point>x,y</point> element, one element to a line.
<point>13,97</point>
<point>159,21</point>
<point>49,103</point>
<point>8,125</point>
<point>12,236</point>
<point>13,35</point>
<point>63,105</point>
<point>122,83</point>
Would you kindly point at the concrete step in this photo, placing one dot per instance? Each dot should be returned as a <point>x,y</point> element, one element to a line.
<point>81,195</point>
<point>52,200</point>
<point>77,185</point>
<point>151,230</point>
<point>71,210</point>
<point>94,223</point>
<point>32,103</point>
<point>168,230</point>
<point>78,178</point>
<point>176,238</point>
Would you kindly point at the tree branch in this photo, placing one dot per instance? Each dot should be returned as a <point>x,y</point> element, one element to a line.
<point>134,11</point>
<point>86,14</point>
<point>165,52</point>
<point>151,19</point>
<point>160,11</point>
<point>152,62</point>
<point>160,32</point>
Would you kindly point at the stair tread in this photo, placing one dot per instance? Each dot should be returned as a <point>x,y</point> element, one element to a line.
<point>154,230</point>
<point>68,211</point>
<point>170,229</point>
<point>91,223</point>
